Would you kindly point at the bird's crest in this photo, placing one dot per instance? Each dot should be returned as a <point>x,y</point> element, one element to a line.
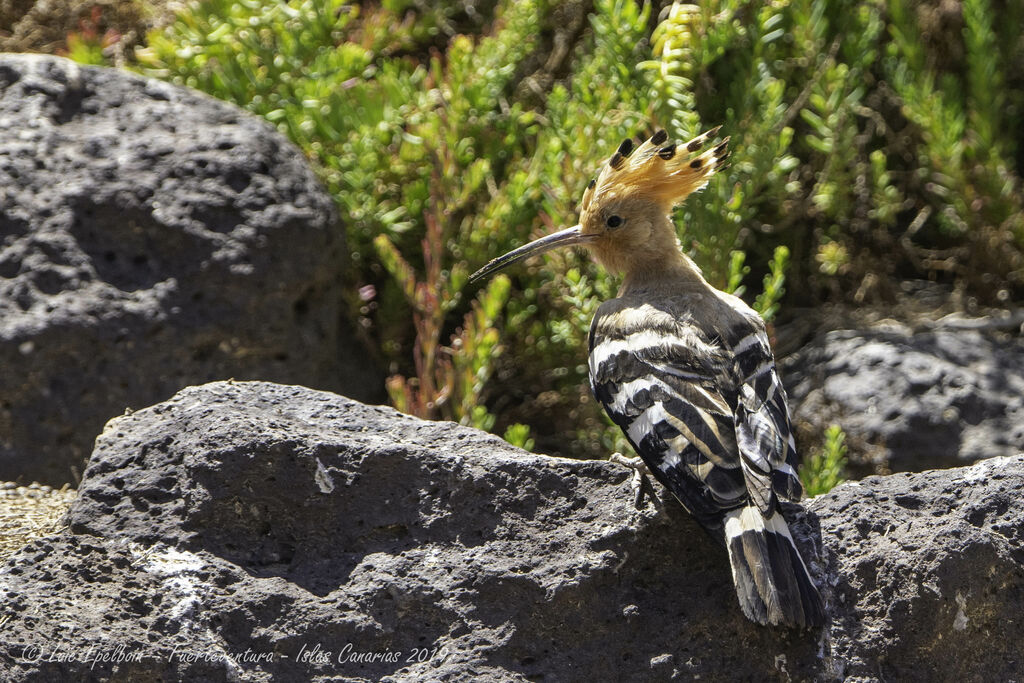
<point>658,168</point>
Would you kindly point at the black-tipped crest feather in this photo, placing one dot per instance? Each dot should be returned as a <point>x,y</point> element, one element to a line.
<point>657,169</point>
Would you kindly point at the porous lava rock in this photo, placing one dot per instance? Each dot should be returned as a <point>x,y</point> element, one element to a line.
<point>151,238</point>
<point>911,400</point>
<point>258,532</point>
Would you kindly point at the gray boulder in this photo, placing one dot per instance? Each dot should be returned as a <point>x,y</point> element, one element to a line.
<point>257,532</point>
<point>910,401</point>
<point>152,237</point>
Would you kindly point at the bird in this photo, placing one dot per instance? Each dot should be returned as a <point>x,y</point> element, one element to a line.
<point>687,371</point>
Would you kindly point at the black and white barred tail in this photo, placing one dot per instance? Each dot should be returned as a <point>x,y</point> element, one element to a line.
<point>772,581</point>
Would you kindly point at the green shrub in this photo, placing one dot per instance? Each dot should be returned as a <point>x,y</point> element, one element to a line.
<point>823,471</point>
<point>863,152</point>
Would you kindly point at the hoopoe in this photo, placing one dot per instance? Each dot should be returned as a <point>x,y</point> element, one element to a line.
<point>687,372</point>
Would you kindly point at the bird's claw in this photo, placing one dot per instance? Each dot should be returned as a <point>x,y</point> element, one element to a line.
<point>639,482</point>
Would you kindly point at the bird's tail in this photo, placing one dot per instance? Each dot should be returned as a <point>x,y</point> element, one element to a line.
<point>772,581</point>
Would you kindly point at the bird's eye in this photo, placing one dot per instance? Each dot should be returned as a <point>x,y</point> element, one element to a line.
<point>614,221</point>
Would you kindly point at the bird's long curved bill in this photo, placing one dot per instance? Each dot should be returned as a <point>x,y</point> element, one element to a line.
<point>562,238</point>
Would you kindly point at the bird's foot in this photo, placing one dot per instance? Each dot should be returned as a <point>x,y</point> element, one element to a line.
<point>640,482</point>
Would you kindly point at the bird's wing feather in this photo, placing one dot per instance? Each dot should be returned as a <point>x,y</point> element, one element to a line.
<point>763,429</point>
<point>667,387</point>
<point>708,417</point>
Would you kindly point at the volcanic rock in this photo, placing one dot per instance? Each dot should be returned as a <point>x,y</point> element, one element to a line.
<point>911,400</point>
<point>151,238</point>
<point>257,532</point>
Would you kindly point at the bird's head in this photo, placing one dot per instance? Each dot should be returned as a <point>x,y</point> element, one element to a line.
<point>624,216</point>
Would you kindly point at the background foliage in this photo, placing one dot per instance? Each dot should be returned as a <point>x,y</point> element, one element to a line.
<point>873,142</point>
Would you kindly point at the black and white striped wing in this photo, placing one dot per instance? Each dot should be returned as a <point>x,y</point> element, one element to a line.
<point>708,416</point>
<point>764,433</point>
<point>772,581</point>
<point>663,385</point>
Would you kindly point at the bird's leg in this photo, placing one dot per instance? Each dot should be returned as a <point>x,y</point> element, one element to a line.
<point>639,482</point>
